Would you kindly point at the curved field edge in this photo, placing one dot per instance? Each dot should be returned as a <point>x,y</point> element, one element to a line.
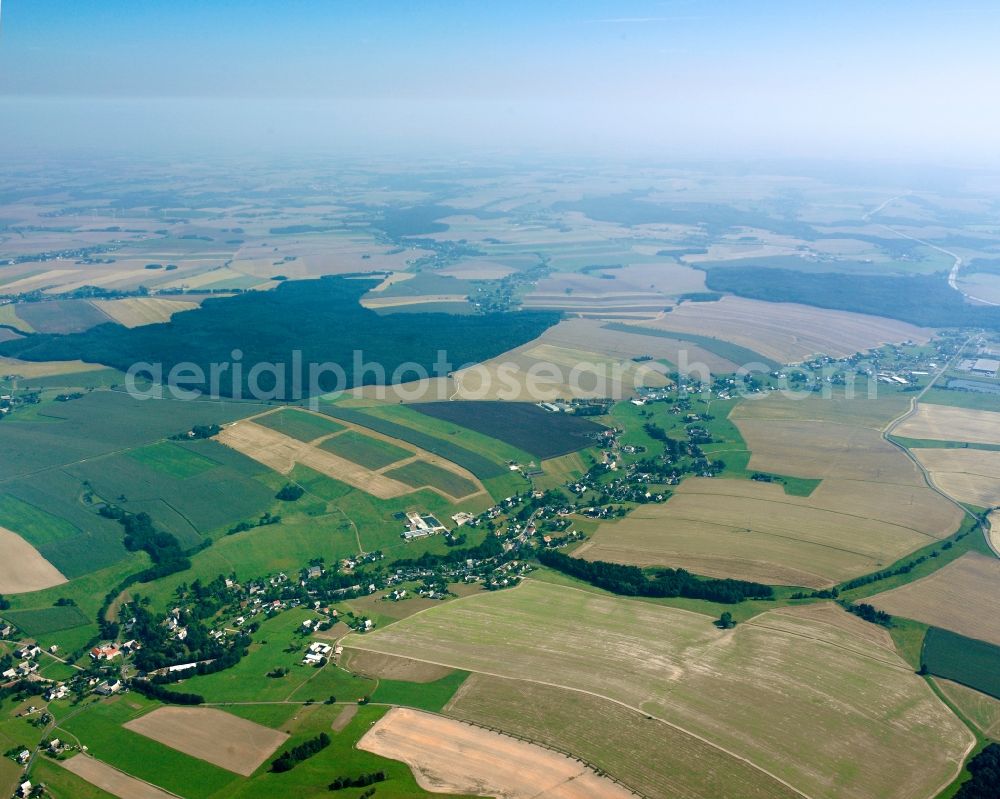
<point>737,690</point>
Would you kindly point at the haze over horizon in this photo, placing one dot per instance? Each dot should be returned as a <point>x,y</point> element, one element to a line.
<point>901,81</point>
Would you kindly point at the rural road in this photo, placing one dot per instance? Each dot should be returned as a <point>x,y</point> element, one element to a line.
<point>928,478</point>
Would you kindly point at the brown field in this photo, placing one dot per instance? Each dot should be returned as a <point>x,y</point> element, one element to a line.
<point>830,613</point>
<point>14,366</point>
<point>110,779</point>
<point>968,475</point>
<point>220,738</point>
<point>944,423</point>
<point>962,597</point>
<point>786,332</point>
<point>825,450</point>
<point>390,667</point>
<point>344,717</point>
<point>280,452</point>
<point>653,757</point>
<point>138,311</point>
<point>807,702</point>
<point>22,568</point>
<point>449,756</point>
<point>981,709</point>
<point>392,279</point>
<point>751,530</point>
<point>857,411</point>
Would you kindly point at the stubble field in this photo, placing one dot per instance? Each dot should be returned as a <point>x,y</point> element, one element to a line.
<point>858,711</point>
<point>946,423</point>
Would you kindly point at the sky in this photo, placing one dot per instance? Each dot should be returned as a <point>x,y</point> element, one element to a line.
<point>898,79</point>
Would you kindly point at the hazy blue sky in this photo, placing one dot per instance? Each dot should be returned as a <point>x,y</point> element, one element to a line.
<point>903,78</point>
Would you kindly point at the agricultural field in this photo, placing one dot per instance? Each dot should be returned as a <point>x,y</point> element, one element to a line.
<point>421,474</point>
<point>654,757</point>
<point>449,756</point>
<point>22,568</point>
<point>785,332</point>
<point>961,597</point>
<point>756,531</point>
<point>364,450</point>
<point>971,476</point>
<point>61,316</point>
<point>969,661</point>
<point>981,709</point>
<point>523,425</point>
<point>866,724</point>
<point>299,424</point>
<point>138,311</point>
<point>946,423</point>
<point>281,453</point>
<point>111,780</point>
<point>222,739</point>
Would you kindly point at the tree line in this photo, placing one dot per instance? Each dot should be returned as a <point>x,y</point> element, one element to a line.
<point>633,581</point>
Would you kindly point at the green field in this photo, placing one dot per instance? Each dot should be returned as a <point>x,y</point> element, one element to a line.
<point>32,523</point>
<point>522,425</point>
<point>860,713</point>
<point>421,473</point>
<point>483,456</point>
<point>933,443</point>
<point>173,460</point>
<point>432,696</point>
<point>963,660</point>
<point>300,425</point>
<point>973,400</point>
<point>372,453</point>
<point>45,621</point>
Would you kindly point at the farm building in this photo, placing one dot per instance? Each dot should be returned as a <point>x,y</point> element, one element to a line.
<point>986,366</point>
<point>421,525</point>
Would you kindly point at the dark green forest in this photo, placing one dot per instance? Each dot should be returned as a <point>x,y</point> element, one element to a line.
<point>925,300</point>
<point>322,319</point>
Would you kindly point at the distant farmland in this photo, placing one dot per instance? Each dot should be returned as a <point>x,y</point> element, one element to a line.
<point>524,425</point>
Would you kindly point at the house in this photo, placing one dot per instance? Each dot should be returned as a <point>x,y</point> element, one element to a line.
<point>313,572</point>
<point>23,756</point>
<point>24,789</point>
<point>5,630</point>
<point>27,651</point>
<point>59,691</point>
<point>319,648</point>
<point>108,687</point>
<point>105,652</point>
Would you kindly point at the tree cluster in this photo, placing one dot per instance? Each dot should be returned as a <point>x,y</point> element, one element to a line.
<point>633,581</point>
<point>288,759</point>
<point>362,781</point>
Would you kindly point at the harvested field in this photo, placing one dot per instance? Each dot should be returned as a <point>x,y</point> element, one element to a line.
<point>390,667</point>
<point>110,779</point>
<point>865,724</point>
<point>962,597</point>
<point>22,568</point>
<point>832,614</point>
<point>222,739</point>
<point>14,366</point>
<point>824,450</point>
<point>138,311</point>
<point>451,757</point>
<point>755,531</point>
<point>786,332</point>
<point>281,453</point>
<point>946,423</point>
<point>981,709</point>
<point>968,475</point>
<point>655,758</point>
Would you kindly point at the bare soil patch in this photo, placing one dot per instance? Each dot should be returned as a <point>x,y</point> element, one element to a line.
<point>22,567</point>
<point>109,779</point>
<point>449,756</point>
<point>220,738</point>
